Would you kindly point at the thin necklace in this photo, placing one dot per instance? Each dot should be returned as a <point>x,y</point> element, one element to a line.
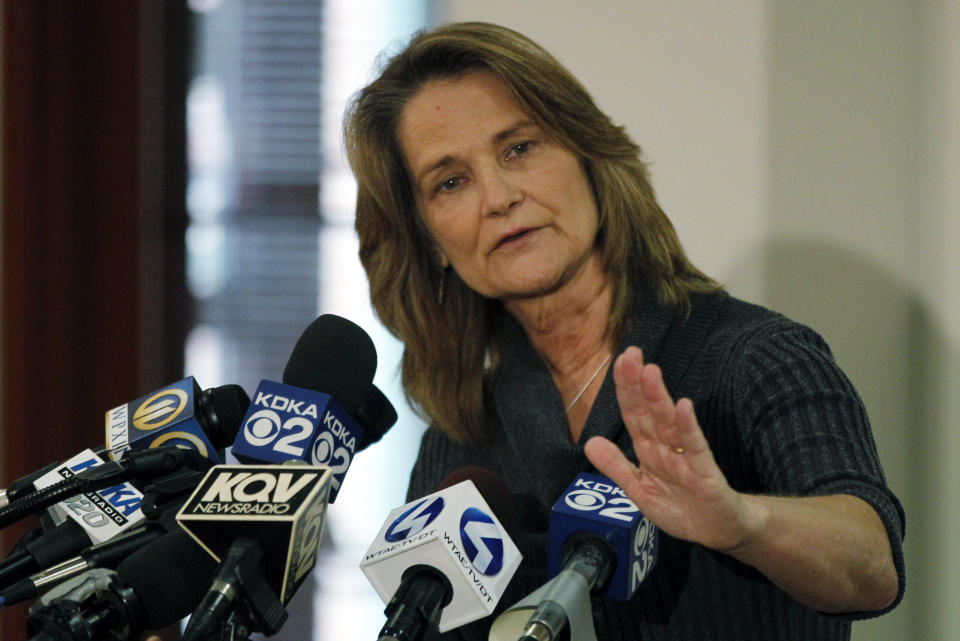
<point>584,388</point>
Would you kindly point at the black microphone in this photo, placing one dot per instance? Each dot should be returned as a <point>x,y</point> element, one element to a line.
<point>102,555</point>
<point>143,465</point>
<point>85,519</point>
<point>325,410</point>
<point>152,588</point>
<point>376,415</point>
<point>23,485</point>
<point>179,414</point>
<point>263,522</point>
<point>444,560</point>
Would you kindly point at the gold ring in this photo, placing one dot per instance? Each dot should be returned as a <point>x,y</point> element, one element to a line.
<point>679,450</point>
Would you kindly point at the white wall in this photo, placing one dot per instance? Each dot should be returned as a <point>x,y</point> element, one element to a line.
<point>808,154</point>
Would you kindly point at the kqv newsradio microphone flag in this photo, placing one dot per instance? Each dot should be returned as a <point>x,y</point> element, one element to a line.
<point>453,532</point>
<point>280,506</point>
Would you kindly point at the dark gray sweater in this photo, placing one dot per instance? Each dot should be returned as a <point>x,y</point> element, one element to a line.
<point>780,417</point>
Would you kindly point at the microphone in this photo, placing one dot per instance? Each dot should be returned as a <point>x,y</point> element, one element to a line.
<point>444,560</point>
<point>89,518</point>
<point>152,588</point>
<point>177,415</point>
<point>23,485</point>
<point>143,465</point>
<point>263,523</point>
<point>96,515</point>
<point>376,415</point>
<point>600,543</point>
<point>310,416</point>
<point>102,555</point>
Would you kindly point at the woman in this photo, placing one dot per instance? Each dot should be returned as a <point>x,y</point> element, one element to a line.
<point>550,320</point>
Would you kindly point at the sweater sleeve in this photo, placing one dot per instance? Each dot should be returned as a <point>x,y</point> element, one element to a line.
<point>807,430</point>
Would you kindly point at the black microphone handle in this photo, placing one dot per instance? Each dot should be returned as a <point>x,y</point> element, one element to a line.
<point>40,499</point>
<point>106,554</point>
<point>244,555</point>
<point>142,464</point>
<point>416,605</point>
<point>23,485</point>
<point>55,545</point>
<point>240,578</point>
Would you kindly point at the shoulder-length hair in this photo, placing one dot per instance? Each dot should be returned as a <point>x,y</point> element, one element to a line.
<point>450,333</point>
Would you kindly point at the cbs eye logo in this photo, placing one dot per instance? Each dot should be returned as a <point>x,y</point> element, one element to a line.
<point>262,427</point>
<point>644,550</point>
<point>585,500</point>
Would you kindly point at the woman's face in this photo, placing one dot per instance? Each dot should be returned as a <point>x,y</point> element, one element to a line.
<point>510,209</point>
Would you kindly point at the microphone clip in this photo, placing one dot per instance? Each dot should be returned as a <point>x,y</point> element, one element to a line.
<point>240,601</point>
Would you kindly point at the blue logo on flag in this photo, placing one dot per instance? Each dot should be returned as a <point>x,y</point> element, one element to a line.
<point>414,520</point>
<point>482,541</point>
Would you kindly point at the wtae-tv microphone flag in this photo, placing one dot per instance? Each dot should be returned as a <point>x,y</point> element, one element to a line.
<point>455,532</point>
<point>282,506</point>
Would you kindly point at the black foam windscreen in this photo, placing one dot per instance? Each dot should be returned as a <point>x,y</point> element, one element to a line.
<point>334,356</point>
<point>223,410</point>
<point>376,415</point>
<point>492,488</point>
<point>169,577</point>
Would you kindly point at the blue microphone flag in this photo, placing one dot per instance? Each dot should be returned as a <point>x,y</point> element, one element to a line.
<point>285,422</point>
<point>595,504</point>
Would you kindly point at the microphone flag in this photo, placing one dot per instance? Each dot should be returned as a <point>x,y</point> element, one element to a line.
<point>455,532</point>
<point>281,506</point>
<point>164,417</point>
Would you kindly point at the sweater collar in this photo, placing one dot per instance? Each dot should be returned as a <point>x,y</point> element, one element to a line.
<point>529,405</point>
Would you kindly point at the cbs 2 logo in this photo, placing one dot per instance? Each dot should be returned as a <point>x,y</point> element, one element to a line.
<point>644,551</point>
<point>291,437</point>
<point>619,507</point>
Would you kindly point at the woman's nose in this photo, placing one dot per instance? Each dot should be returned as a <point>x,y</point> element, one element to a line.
<point>499,190</point>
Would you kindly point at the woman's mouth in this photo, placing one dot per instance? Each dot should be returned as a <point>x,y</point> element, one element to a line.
<point>513,238</point>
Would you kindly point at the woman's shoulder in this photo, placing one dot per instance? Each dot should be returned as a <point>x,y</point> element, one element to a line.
<point>748,342</point>
<point>746,325</point>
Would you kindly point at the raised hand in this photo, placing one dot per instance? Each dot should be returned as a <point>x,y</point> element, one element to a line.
<point>676,482</point>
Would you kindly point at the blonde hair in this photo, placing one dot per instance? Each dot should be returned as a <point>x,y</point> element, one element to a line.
<point>449,346</point>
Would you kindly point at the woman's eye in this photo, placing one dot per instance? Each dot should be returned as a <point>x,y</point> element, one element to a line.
<point>449,184</point>
<point>519,149</point>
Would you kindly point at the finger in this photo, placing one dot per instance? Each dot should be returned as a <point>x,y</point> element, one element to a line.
<point>628,377</point>
<point>687,432</point>
<point>611,462</point>
<point>661,414</point>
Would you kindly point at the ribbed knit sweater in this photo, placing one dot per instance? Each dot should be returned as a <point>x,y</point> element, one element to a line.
<point>780,417</point>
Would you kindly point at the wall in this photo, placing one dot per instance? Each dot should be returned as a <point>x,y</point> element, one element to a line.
<point>808,154</point>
